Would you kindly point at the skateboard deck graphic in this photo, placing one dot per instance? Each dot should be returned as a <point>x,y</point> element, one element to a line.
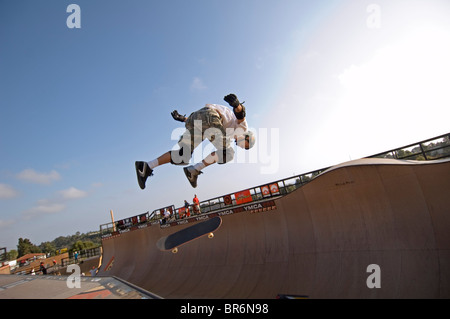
<point>173,241</point>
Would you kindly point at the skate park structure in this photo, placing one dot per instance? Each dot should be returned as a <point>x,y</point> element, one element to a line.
<point>376,227</point>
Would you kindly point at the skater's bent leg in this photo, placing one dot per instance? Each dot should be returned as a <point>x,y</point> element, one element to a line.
<point>209,160</point>
<point>163,159</point>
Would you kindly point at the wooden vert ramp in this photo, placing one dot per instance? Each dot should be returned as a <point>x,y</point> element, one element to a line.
<point>318,241</point>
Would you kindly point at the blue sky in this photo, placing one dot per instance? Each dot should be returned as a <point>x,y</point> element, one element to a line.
<point>324,81</point>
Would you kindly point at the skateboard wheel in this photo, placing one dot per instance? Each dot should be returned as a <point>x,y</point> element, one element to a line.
<point>175,250</point>
<point>210,235</point>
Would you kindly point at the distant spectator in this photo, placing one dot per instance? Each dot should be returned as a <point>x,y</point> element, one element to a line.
<point>166,217</point>
<point>196,204</point>
<point>42,268</point>
<point>186,206</point>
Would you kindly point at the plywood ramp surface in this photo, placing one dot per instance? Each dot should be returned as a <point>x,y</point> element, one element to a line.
<point>318,241</point>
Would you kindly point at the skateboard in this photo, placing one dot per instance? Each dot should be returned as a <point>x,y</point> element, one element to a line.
<point>173,241</point>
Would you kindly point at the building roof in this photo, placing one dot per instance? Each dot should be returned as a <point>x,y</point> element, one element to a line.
<point>29,256</point>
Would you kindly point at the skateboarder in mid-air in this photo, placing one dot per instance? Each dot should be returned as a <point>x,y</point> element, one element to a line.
<point>214,122</point>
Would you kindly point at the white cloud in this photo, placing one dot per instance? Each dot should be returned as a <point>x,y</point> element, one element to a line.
<point>30,175</point>
<point>6,223</point>
<point>403,85</point>
<point>47,207</point>
<point>259,63</point>
<point>97,185</point>
<point>414,70</point>
<point>43,207</point>
<point>54,205</point>
<point>197,84</point>
<point>7,192</point>
<point>72,193</point>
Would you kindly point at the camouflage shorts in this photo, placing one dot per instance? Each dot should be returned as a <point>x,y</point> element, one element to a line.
<point>200,125</point>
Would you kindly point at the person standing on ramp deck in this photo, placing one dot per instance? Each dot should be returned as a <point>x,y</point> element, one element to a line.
<point>217,123</point>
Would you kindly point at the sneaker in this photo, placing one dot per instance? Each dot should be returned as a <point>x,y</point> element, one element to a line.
<point>192,175</point>
<point>143,171</point>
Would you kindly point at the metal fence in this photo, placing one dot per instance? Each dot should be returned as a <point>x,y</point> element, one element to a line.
<point>82,255</point>
<point>431,149</point>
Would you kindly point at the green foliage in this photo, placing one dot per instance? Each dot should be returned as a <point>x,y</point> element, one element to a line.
<point>47,247</point>
<point>80,245</point>
<point>78,241</point>
<point>72,242</point>
<point>26,247</point>
<point>12,254</point>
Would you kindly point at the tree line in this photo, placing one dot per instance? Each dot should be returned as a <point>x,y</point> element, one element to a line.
<point>74,242</point>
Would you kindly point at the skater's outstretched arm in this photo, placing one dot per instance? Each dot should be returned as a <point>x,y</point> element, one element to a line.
<point>238,108</point>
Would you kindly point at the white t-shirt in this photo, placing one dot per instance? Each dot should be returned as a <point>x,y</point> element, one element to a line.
<point>229,120</point>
